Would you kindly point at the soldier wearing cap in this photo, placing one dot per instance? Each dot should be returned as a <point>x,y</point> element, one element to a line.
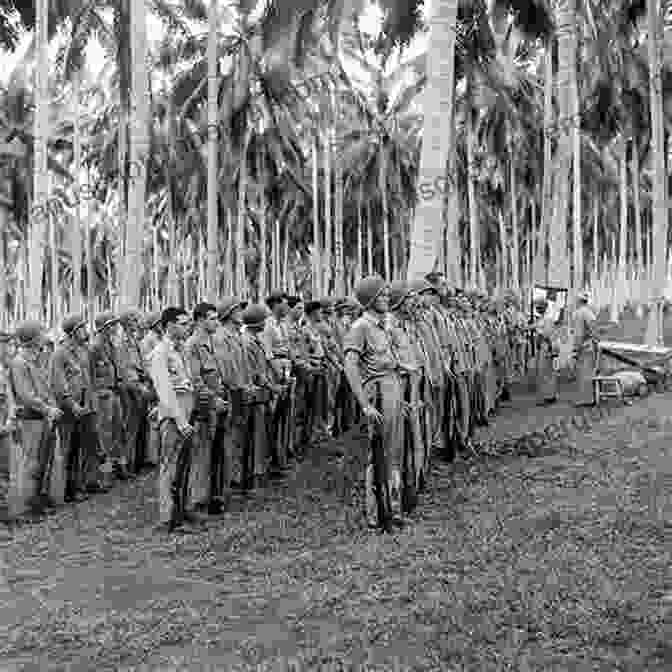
<point>136,390</point>
<point>372,369</point>
<point>37,414</point>
<point>300,372</point>
<point>346,310</point>
<point>175,394</point>
<point>264,378</point>
<point>8,453</point>
<point>547,350</point>
<point>315,358</point>
<point>210,476</point>
<point>72,386</point>
<point>232,363</point>
<point>276,340</point>
<point>151,339</point>
<point>585,350</point>
<point>408,352</point>
<point>106,378</point>
<point>333,359</point>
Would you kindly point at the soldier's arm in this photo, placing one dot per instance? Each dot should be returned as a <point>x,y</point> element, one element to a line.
<point>23,390</point>
<point>164,388</point>
<point>60,385</point>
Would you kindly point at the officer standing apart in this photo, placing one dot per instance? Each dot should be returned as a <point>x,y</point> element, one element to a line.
<point>370,363</point>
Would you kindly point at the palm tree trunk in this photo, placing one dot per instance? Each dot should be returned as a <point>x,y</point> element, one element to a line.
<point>76,233</point>
<point>382,187</point>
<point>54,284</point>
<point>263,243</point>
<point>369,240</point>
<point>474,238</point>
<point>596,243</point>
<point>4,314</point>
<point>515,244</point>
<point>241,273</point>
<point>558,272</point>
<point>577,227</point>
<point>328,216</point>
<point>541,266</point>
<point>534,238</point>
<point>317,253</point>
<point>623,203</point>
<point>339,280</point>
<point>659,219</point>
<point>360,232</point>
<point>213,223</point>
<point>156,299</point>
<point>437,141</point>
<point>40,208</point>
<point>640,245</point>
<point>139,147</point>
<point>503,274</point>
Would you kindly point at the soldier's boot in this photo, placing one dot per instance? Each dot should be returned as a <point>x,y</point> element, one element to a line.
<point>395,486</point>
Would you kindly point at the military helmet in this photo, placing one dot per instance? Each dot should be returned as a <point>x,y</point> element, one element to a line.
<point>399,292</point>
<point>255,315</point>
<point>368,289</point>
<point>73,322</point>
<point>312,307</point>
<point>228,305</point>
<point>106,320</point>
<point>130,318</point>
<point>152,320</point>
<point>29,331</point>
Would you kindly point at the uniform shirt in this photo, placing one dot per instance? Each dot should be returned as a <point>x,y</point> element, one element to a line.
<point>202,364</point>
<point>170,377</point>
<point>70,375</point>
<point>584,327</point>
<point>105,371</point>
<point>372,342</point>
<point>312,342</point>
<point>131,361</point>
<point>30,384</point>
<point>7,403</point>
<point>276,338</point>
<point>230,354</point>
<point>149,342</point>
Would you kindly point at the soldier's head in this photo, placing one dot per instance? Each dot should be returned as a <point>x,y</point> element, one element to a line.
<point>327,308</point>
<point>540,305</point>
<point>76,329</point>
<point>30,336</point>
<point>372,294</point>
<point>230,311</point>
<point>175,322</point>
<point>132,323</point>
<point>254,317</point>
<point>430,295</point>
<point>205,317</point>
<point>6,347</point>
<point>277,304</point>
<point>313,311</point>
<point>108,327</point>
<point>153,322</point>
<point>401,295</point>
<point>295,304</point>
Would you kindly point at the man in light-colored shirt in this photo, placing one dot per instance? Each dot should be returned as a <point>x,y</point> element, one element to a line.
<point>175,406</point>
<point>585,351</point>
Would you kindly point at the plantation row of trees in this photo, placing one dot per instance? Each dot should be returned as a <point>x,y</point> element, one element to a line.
<point>294,145</point>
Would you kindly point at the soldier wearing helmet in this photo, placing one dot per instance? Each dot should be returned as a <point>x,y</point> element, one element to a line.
<point>37,415</point>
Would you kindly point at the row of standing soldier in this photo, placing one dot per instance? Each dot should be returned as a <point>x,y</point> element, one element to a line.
<point>227,397</point>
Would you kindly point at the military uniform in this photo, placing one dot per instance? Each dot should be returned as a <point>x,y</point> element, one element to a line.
<point>585,352</point>
<point>36,415</point>
<point>8,450</point>
<point>72,386</point>
<point>312,346</point>
<point>175,407</point>
<point>149,341</point>
<point>106,378</point>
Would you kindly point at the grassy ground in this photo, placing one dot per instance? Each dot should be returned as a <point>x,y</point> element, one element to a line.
<point>556,563</point>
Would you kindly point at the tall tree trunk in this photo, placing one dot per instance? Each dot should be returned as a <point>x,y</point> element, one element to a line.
<point>502,282</point>
<point>339,281</point>
<point>213,137</point>
<point>623,210</point>
<point>172,288</point>
<point>382,187</point>
<point>4,313</point>
<point>139,148</point>
<point>369,240</point>
<point>558,271</point>
<point>76,233</point>
<point>515,244</point>
<point>660,213</point>
<point>640,245</point>
<point>241,274</point>
<point>263,228</point>
<point>541,264</point>
<point>360,232</point>
<point>474,238</point>
<point>317,247</point>
<point>40,209</point>
<point>156,299</point>
<point>328,216</point>
<point>577,228</point>
<point>437,136</point>
<point>596,240</point>
<point>54,283</point>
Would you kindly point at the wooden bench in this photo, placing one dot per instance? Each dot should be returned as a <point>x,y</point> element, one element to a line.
<point>607,387</point>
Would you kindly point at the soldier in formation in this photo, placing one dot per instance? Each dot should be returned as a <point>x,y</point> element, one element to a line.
<point>228,396</point>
